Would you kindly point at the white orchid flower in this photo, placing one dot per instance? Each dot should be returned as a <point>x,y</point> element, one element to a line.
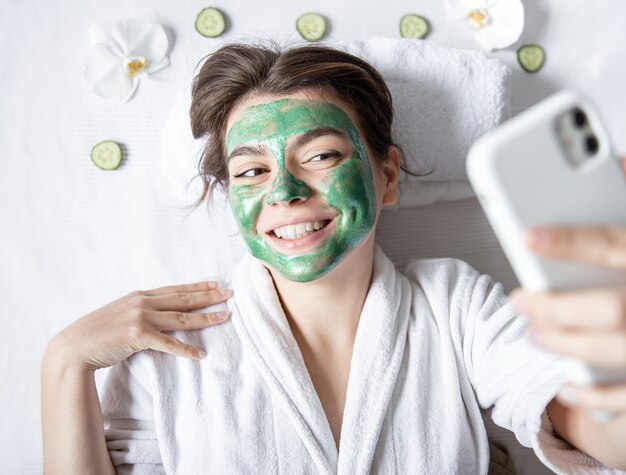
<point>121,54</point>
<point>496,23</point>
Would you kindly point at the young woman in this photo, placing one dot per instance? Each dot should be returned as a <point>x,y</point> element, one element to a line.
<point>331,361</point>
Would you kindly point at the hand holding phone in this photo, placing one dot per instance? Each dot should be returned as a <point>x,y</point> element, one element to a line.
<point>552,166</point>
<point>586,324</point>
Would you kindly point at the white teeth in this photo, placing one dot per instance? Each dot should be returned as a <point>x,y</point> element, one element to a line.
<point>296,231</point>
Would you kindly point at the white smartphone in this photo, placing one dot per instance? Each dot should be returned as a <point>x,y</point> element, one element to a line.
<point>552,165</point>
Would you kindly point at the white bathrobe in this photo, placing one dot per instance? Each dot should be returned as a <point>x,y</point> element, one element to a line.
<point>433,344</point>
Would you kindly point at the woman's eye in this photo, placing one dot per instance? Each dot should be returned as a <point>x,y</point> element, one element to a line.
<point>324,156</point>
<point>251,173</point>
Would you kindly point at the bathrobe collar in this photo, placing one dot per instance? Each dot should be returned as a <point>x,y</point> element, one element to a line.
<point>377,354</point>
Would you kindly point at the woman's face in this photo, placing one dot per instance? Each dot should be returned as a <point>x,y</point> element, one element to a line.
<point>302,187</point>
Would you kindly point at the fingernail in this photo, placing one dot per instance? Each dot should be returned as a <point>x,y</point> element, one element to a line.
<point>534,336</point>
<point>568,395</point>
<point>201,354</point>
<point>212,285</point>
<point>540,239</point>
<point>520,304</point>
<point>221,315</point>
<point>225,292</point>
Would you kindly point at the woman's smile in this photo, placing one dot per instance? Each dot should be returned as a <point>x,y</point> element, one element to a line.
<point>300,236</point>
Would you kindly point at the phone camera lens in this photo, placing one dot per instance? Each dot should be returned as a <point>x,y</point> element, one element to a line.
<point>580,119</point>
<point>592,144</point>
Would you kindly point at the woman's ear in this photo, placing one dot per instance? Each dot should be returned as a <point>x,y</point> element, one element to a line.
<point>391,173</point>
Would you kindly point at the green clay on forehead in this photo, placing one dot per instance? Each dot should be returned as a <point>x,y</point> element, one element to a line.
<point>348,187</point>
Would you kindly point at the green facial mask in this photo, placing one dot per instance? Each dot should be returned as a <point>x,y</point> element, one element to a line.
<point>347,187</point>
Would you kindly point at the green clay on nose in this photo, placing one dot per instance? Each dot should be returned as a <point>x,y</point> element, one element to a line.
<point>287,188</point>
<point>348,187</point>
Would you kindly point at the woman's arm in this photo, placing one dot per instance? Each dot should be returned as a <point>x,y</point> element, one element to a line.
<point>72,422</point>
<point>589,324</point>
<point>73,433</point>
<point>602,440</point>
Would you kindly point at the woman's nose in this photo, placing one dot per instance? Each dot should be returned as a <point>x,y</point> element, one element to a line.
<point>286,188</point>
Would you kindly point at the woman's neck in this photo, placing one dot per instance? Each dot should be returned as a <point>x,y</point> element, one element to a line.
<point>324,314</point>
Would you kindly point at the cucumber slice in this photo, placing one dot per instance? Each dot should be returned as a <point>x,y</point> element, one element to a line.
<point>413,26</point>
<point>531,58</point>
<point>311,26</point>
<point>210,22</point>
<point>106,155</point>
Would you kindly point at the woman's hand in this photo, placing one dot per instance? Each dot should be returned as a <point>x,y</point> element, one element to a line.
<point>588,324</point>
<point>134,323</point>
<point>72,426</point>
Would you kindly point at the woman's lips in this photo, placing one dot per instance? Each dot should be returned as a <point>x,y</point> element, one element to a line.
<point>310,240</point>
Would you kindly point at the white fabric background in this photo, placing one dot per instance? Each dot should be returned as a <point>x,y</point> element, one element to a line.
<point>74,237</point>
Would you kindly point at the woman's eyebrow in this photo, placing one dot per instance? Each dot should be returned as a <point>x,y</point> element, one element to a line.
<point>300,141</point>
<point>248,150</point>
<point>312,134</point>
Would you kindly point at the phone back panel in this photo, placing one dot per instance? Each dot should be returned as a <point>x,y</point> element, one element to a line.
<point>523,178</point>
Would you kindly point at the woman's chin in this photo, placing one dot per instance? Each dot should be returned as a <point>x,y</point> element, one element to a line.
<point>303,266</point>
<point>306,271</point>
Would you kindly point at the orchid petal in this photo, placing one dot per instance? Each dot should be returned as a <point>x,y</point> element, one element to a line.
<point>141,37</point>
<point>132,90</point>
<point>105,74</point>
<point>116,86</point>
<point>154,67</point>
<point>153,46</point>
<point>100,61</point>
<point>101,34</point>
<point>507,25</point>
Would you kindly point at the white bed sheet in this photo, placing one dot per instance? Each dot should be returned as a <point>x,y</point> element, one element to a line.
<point>74,237</point>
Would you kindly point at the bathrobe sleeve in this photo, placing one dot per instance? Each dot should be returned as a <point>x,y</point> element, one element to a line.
<point>509,374</point>
<point>126,399</point>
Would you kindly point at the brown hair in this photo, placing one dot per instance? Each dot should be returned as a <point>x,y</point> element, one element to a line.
<point>237,70</point>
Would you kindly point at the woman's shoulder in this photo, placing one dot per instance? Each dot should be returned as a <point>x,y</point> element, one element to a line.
<point>453,279</point>
<point>448,269</point>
